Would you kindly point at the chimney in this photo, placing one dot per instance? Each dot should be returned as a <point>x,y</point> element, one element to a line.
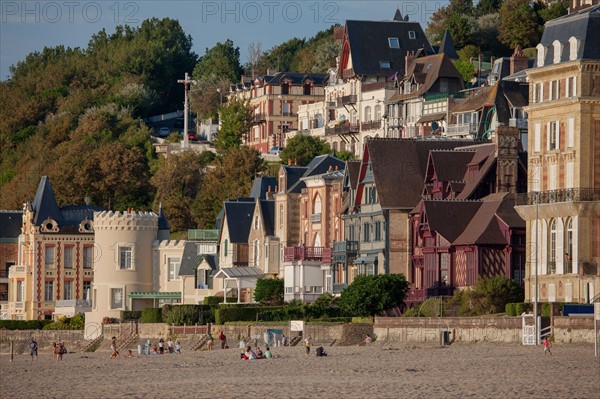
<point>410,57</point>
<point>337,167</point>
<point>330,168</point>
<point>269,189</point>
<point>518,61</point>
<point>507,158</point>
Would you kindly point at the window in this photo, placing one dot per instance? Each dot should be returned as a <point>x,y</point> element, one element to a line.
<point>412,34</point>
<point>541,55</point>
<point>21,291</point>
<point>88,257</point>
<point>535,178</point>
<point>174,264</point>
<point>226,248</point>
<point>554,90</point>
<point>49,256</point>
<point>552,176</point>
<point>394,42</point>
<point>367,117</point>
<point>351,233</point>
<point>571,88</point>
<point>289,290</point>
<point>552,248</point>
<point>558,47</point>
<point>569,178</point>
<point>87,289</point>
<point>573,48</point>
<point>285,88</point>
<point>377,113</point>
<point>377,231</point>
<point>366,233</point>
<point>537,137</point>
<point>307,87</point>
<point>68,257</point>
<point>317,206</point>
<point>553,135</point>
<point>571,132</point>
<point>384,65</point>
<point>285,109</point>
<point>68,294</point>
<point>116,298</point>
<point>125,257</point>
<point>536,93</point>
<point>49,290</point>
<point>256,253</point>
<point>202,279</point>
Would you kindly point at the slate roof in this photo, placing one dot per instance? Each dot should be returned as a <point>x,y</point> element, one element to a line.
<point>267,209</point>
<point>399,167</point>
<point>163,222</point>
<point>232,272</point>
<point>449,165</point>
<point>368,41</point>
<point>447,46</point>
<point>352,170</point>
<point>238,216</point>
<point>583,24</point>
<point>449,218</point>
<point>318,165</point>
<point>477,99</point>
<point>485,158</point>
<point>189,259</point>
<point>10,225</point>
<point>261,185</point>
<point>318,79</point>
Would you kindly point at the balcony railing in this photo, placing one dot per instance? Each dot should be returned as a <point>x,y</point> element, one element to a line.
<point>463,129</point>
<point>341,129</point>
<point>345,246</point>
<point>203,235</point>
<point>551,268</point>
<point>319,254</point>
<point>315,218</point>
<point>77,303</point>
<point>259,118</point>
<point>14,270</point>
<point>568,267</point>
<point>346,100</point>
<point>564,195</point>
<point>372,125</point>
<point>518,123</point>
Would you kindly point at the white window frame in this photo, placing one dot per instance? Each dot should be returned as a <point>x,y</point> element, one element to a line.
<point>570,174</point>
<point>173,265</point>
<point>123,250</point>
<point>88,257</point>
<point>394,40</point>
<point>48,290</point>
<point>573,48</point>
<point>541,55</point>
<point>68,256</point>
<point>110,298</point>
<point>412,34</point>
<point>68,284</point>
<point>558,47</point>
<point>553,136</point>
<point>571,132</point>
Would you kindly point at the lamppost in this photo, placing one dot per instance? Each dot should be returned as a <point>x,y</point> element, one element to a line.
<point>537,254</point>
<point>186,82</point>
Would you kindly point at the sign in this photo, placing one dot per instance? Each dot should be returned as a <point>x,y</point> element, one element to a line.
<point>297,325</point>
<point>597,311</point>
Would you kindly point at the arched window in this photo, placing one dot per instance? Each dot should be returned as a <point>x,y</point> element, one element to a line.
<point>573,48</point>
<point>377,113</point>
<point>317,240</point>
<point>558,47</point>
<point>552,248</point>
<point>541,54</point>
<point>367,114</point>
<point>317,205</point>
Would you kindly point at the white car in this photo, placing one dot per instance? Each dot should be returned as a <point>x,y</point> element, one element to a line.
<point>164,132</point>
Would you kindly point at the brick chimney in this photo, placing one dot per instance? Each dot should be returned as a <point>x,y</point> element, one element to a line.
<point>289,161</point>
<point>518,61</point>
<point>507,158</point>
<point>410,57</point>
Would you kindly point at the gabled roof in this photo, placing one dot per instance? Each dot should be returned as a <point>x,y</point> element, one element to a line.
<point>293,175</point>
<point>189,259</point>
<point>485,159</point>
<point>262,185</point>
<point>267,210</point>
<point>294,77</point>
<point>318,165</point>
<point>449,218</point>
<point>447,46</point>
<point>368,45</point>
<point>399,167</point>
<point>10,225</point>
<point>449,165</point>
<point>352,170</point>
<point>476,100</point>
<point>233,272</point>
<point>238,216</point>
<point>583,25</point>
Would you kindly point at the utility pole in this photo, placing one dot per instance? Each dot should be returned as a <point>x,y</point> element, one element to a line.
<point>186,109</point>
<point>537,254</point>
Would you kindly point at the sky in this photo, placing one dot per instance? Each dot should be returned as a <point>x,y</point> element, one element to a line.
<point>28,26</point>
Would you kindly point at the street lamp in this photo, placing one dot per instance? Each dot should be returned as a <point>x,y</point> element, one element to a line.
<point>537,254</point>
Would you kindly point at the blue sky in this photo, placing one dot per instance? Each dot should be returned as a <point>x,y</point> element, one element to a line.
<point>27,26</point>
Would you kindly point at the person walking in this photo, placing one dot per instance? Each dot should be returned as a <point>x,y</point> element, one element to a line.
<point>547,346</point>
<point>33,349</point>
<point>113,348</point>
<point>223,340</point>
<point>307,345</point>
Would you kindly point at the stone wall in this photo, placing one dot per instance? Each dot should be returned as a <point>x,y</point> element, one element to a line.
<point>573,329</point>
<point>73,340</point>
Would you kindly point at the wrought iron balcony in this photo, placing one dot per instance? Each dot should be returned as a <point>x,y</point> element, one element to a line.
<point>568,267</point>
<point>203,235</point>
<point>345,246</point>
<point>372,125</point>
<point>554,196</point>
<point>319,254</point>
<point>464,129</point>
<point>346,100</point>
<point>551,268</point>
<point>341,129</point>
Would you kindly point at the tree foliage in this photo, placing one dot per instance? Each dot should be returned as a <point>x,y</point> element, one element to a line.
<point>519,24</point>
<point>237,117</point>
<point>371,295</point>
<point>466,69</point>
<point>231,177</point>
<point>269,291</point>
<point>222,61</point>
<point>207,95</point>
<point>303,149</point>
<point>490,295</point>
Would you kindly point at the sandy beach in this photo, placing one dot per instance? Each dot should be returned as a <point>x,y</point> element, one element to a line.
<point>378,371</point>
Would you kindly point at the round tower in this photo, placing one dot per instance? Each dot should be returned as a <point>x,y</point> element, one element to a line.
<point>123,264</point>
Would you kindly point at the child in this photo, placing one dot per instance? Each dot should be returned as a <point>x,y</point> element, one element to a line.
<point>268,353</point>
<point>547,346</point>
<point>178,348</point>
<point>129,353</point>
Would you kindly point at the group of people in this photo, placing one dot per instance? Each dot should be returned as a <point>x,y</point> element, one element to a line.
<point>58,350</point>
<point>160,349</point>
<point>249,354</point>
<point>308,342</point>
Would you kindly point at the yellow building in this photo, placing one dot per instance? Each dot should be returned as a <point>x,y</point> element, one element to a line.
<point>562,207</point>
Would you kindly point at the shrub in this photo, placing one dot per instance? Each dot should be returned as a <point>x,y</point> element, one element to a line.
<point>522,307</point>
<point>412,312</point>
<point>217,300</point>
<point>187,314</point>
<point>57,325</point>
<point>23,324</point>
<point>131,315</point>
<point>227,313</point>
<point>511,309</point>
<point>151,315</point>
<point>77,322</point>
<point>546,309</point>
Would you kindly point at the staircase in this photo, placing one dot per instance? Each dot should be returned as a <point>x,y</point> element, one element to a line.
<point>94,344</point>
<point>198,345</point>
<point>295,340</point>
<point>125,339</point>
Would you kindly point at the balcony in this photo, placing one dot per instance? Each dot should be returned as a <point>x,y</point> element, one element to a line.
<point>74,303</point>
<point>551,268</point>
<point>372,125</point>
<point>346,100</point>
<point>315,218</point>
<point>463,129</point>
<point>258,118</point>
<point>554,196</point>
<point>568,265</point>
<point>345,246</point>
<point>203,235</point>
<point>518,123</point>
<point>341,129</point>
<point>317,254</point>
<point>17,271</point>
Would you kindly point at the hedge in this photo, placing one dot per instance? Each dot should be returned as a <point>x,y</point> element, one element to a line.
<point>23,324</point>
<point>188,314</point>
<point>228,313</point>
<point>517,308</point>
<point>130,315</point>
<point>151,315</point>
<point>217,300</point>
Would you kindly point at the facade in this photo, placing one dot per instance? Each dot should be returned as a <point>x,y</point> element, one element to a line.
<point>562,207</point>
<point>55,257</point>
<point>276,99</point>
<point>10,229</point>
<point>262,242</point>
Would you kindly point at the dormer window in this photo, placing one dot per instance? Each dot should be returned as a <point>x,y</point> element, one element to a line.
<point>285,88</point>
<point>394,42</point>
<point>558,47</point>
<point>412,34</point>
<point>541,54</point>
<point>573,48</point>
<point>49,226</point>
<point>385,64</point>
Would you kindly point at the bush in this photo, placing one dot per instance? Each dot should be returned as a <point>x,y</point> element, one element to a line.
<point>546,309</point>
<point>151,315</point>
<point>217,300</point>
<point>412,312</point>
<point>522,307</point>
<point>77,322</point>
<point>57,325</point>
<point>130,315</point>
<point>23,324</point>
<point>510,309</point>
<point>227,313</point>
<point>187,314</point>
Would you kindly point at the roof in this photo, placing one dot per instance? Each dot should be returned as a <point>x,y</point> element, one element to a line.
<point>477,99</point>
<point>485,159</point>
<point>232,272</point>
<point>368,43</point>
<point>449,218</point>
<point>399,167</point>
<point>295,78</point>
<point>238,216</point>
<point>317,166</point>
<point>432,117</point>
<point>447,46</point>
<point>267,209</point>
<point>583,25</point>
<point>449,165</point>
<point>189,259</point>
<point>352,170</point>
<point>293,175</point>
<point>262,185</point>
<point>163,223</point>
<point>10,225</point>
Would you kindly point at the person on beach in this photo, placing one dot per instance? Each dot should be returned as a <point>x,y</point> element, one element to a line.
<point>368,339</point>
<point>55,350</point>
<point>155,350</point>
<point>547,346</point>
<point>129,353</point>
<point>259,353</point>
<point>161,346</point>
<point>170,345</point>
<point>250,355</point>
<point>307,345</point>
<point>283,340</point>
<point>113,348</point>
<point>178,348</point>
<point>268,353</point>
<point>33,349</point>
<point>223,340</point>
<point>209,343</point>
<point>61,350</point>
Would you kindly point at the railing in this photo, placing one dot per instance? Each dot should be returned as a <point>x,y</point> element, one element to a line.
<point>345,246</point>
<point>568,266</point>
<point>373,86</point>
<point>322,254</point>
<point>78,303</point>
<point>337,288</point>
<point>462,129</point>
<point>203,235</point>
<point>315,218</point>
<point>564,195</point>
<point>347,73</point>
<point>551,268</point>
<point>18,305</point>
<point>346,100</point>
<point>17,269</point>
<point>518,123</point>
<point>372,125</point>
<point>341,129</point>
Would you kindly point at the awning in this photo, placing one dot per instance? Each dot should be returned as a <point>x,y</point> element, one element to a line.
<point>432,117</point>
<point>155,295</point>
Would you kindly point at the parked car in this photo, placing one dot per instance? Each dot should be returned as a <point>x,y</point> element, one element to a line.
<point>163,133</point>
<point>193,137</point>
<point>275,150</point>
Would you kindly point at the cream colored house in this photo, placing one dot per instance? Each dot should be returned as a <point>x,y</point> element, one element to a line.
<point>263,245</point>
<point>562,207</point>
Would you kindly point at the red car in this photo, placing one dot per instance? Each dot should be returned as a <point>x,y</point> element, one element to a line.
<point>193,137</point>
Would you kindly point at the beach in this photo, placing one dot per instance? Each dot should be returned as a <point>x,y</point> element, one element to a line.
<point>380,371</point>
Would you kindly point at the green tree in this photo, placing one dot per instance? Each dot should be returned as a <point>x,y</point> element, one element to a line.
<point>303,149</point>
<point>207,95</point>
<point>485,7</point>
<point>555,10</point>
<point>519,24</point>
<point>231,177</point>
<point>371,295</point>
<point>490,295</point>
<point>269,291</point>
<point>223,61</point>
<point>466,69</point>
<point>345,155</point>
<point>237,117</point>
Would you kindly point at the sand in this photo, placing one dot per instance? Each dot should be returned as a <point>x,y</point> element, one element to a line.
<point>377,371</point>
